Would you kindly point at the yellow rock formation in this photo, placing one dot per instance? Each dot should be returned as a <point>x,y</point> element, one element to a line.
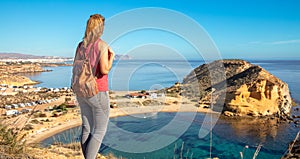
<point>16,80</point>
<point>265,96</point>
<point>247,89</point>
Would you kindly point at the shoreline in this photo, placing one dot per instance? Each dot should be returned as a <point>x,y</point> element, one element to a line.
<point>117,112</point>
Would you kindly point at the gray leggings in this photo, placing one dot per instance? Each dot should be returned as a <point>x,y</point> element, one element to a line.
<point>95,116</point>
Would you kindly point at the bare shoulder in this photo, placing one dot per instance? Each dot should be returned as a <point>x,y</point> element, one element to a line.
<point>102,45</point>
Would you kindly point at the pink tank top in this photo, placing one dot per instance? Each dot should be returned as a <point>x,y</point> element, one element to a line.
<point>102,80</point>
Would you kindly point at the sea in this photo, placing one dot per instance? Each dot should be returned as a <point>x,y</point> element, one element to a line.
<point>182,135</point>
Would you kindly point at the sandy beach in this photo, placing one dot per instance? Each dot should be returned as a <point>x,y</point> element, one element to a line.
<point>71,120</point>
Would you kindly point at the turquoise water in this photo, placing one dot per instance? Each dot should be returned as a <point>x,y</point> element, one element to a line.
<point>229,137</point>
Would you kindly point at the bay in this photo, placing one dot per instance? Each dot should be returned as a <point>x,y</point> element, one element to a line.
<point>148,75</point>
<point>229,137</point>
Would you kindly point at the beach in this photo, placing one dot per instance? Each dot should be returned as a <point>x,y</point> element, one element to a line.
<point>71,120</point>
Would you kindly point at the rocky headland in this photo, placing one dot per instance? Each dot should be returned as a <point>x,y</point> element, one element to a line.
<point>10,73</point>
<point>236,88</point>
<point>16,67</point>
<point>16,80</point>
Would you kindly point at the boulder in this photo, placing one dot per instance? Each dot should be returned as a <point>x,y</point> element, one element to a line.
<point>239,87</point>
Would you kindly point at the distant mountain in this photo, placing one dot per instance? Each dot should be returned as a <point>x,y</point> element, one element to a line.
<point>122,57</point>
<point>27,56</point>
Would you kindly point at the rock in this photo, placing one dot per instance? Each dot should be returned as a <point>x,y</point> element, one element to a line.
<point>206,106</point>
<point>113,105</point>
<point>239,87</point>
<point>228,113</point>
<point>14,80</point>
<point>296,116</point>
<point>8,73</point>
<point>13,68</point>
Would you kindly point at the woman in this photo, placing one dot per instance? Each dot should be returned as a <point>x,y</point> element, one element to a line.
<point>95,110</point>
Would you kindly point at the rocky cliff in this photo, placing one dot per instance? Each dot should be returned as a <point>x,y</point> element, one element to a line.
<point>9,73</point>
<point>237,87</point>
<point>14,68</point>
<point>13,80</point>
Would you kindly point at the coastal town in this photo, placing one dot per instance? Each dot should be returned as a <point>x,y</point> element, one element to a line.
<point>38,113</point>
<point>21,102</point>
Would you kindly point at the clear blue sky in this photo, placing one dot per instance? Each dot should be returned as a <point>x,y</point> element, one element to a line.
<point>240,29</point>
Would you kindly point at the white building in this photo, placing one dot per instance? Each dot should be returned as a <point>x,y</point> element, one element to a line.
<point>153,95</point>
<point>11,112</point>
<point>56,90</point>
<point>8,107</point>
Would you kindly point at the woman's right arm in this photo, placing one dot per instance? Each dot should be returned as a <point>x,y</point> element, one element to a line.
<point>106,59</point>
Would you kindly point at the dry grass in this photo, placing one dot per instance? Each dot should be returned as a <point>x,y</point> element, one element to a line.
<point>12,144</point>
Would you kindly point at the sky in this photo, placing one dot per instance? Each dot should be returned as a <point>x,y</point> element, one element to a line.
<point>261,29</point>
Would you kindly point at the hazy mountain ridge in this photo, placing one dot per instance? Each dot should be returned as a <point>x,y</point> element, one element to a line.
<point>28,56</point>
<point>122,57</point>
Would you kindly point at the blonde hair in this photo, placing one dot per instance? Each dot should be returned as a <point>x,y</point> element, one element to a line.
<point>94,29</point>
